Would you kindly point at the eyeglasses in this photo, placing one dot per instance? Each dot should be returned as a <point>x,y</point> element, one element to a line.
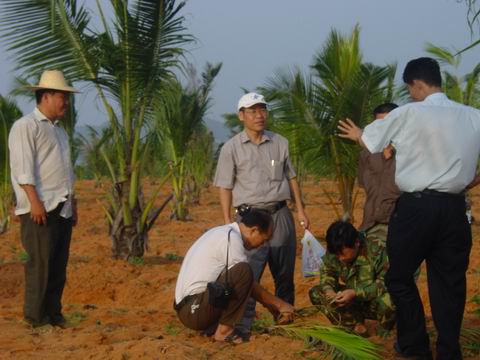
<point>260,111</point>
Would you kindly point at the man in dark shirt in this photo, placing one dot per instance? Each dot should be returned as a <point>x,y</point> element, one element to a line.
<point>376,174</point>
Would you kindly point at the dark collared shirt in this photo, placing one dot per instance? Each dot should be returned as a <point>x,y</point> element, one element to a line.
<point>377,176</point>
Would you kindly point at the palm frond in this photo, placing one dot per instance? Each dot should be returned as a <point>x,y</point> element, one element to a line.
<point>443,55</point>
<point>48,34</point>
<point>335,343</point>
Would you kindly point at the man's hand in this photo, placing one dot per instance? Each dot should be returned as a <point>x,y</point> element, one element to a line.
<point>345,297</point>
<point>303,219</point>
<point>226,204</point>
<point>348,130</point>
<point>284,313</point>
<point>388,152</point>
<point>38,213</point>
<point>331,296</point>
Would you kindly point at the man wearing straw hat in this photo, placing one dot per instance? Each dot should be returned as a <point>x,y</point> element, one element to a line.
<point>42,178</point>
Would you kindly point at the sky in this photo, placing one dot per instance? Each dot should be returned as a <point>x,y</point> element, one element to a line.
<point>254,38</point>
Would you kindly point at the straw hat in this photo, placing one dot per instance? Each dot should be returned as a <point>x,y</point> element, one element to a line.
<point>52,80</point>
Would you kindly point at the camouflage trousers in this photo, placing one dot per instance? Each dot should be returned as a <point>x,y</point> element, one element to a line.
<point>380,309</point>
<point>377,233</point>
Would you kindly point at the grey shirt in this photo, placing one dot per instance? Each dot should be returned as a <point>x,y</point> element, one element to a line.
<point>257,174</point>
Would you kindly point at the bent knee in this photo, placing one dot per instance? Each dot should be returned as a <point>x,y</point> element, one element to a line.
<point>242,270</point>
<point>317,297</point>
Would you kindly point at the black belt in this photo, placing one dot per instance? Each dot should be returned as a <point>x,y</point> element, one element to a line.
<point>272,209</point>
<point>430,192</point>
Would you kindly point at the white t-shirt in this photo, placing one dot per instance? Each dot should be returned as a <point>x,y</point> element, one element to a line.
<point>206,259</point>
<point>437,143</point>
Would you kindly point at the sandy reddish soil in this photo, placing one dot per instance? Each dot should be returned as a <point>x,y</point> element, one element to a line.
<point>118,310</point>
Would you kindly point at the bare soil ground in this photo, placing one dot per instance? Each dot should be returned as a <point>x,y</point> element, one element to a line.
<point>119,310</point>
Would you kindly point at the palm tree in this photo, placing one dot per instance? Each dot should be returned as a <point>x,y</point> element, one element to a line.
<point>177,123</point>
<point>91,144</point>
<point>290,95</point>
<point>347,88</point>
<point>200,161</point>
<point>307,107</point>
<point>463,89</point>
<point>473,19</point>
<point>9,112</point>
<point>129,63</point>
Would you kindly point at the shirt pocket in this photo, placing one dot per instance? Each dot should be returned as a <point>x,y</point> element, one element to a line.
<point>277,170</point>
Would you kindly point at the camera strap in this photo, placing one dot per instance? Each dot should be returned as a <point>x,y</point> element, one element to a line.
<point>226,265</point>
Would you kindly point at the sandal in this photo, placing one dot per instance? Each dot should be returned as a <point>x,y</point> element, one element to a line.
<point>235,338</point>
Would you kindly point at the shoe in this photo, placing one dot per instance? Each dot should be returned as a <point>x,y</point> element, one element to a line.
<point>360,329</point>
<point>245,336</point>
<point>58,320</point>
<point>209,331</point>
<point>398,350</point>
<point>35,324</point>
<point>235,338</point>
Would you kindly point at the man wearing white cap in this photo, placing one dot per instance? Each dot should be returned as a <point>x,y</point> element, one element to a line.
<point>42,177</point>
<point>254,170</point>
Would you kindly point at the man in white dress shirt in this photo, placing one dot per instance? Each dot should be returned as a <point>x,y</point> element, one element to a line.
<point>207,261</point>
<point>42,177</point>
<point>437,144</point>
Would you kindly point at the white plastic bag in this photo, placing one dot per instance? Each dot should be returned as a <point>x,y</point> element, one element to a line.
<point>312,253</point>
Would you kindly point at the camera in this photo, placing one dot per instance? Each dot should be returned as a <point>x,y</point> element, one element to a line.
<point>219,294</point>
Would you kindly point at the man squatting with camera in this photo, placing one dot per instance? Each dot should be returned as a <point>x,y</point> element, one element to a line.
<point>216,281</point>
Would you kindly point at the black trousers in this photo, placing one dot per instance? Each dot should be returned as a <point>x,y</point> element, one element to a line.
<point>45,271</point>
<point>432,228</point>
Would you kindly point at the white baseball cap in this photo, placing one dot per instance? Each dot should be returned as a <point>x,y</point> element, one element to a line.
<point>250,99</point>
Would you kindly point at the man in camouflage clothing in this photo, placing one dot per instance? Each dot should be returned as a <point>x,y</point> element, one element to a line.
<point>352,286</point>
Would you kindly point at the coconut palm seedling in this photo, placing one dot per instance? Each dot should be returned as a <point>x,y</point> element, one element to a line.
<point>9,112</point>
<point>95,142</point>
<point>306,108</point>
<point>463,89</point>
<point>473,20</point>
<point>129,61</point>
<point>177,121</point>
<point>199,163</point>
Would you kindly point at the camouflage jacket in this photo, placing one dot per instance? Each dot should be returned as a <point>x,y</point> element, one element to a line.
<point>365,275</point>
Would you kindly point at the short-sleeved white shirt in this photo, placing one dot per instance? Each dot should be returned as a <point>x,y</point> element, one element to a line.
<point>437,143</point>
<point>206,259</point>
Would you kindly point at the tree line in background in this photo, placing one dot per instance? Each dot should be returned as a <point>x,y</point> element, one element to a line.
<point>156,105</point>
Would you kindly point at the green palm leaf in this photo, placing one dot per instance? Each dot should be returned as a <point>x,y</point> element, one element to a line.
<point>306,108</point>
<point>9,112</point>
<point>336,344</point>
<point>129,63</point>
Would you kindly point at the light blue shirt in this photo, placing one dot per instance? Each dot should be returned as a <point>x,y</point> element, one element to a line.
<point>437,143</point>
